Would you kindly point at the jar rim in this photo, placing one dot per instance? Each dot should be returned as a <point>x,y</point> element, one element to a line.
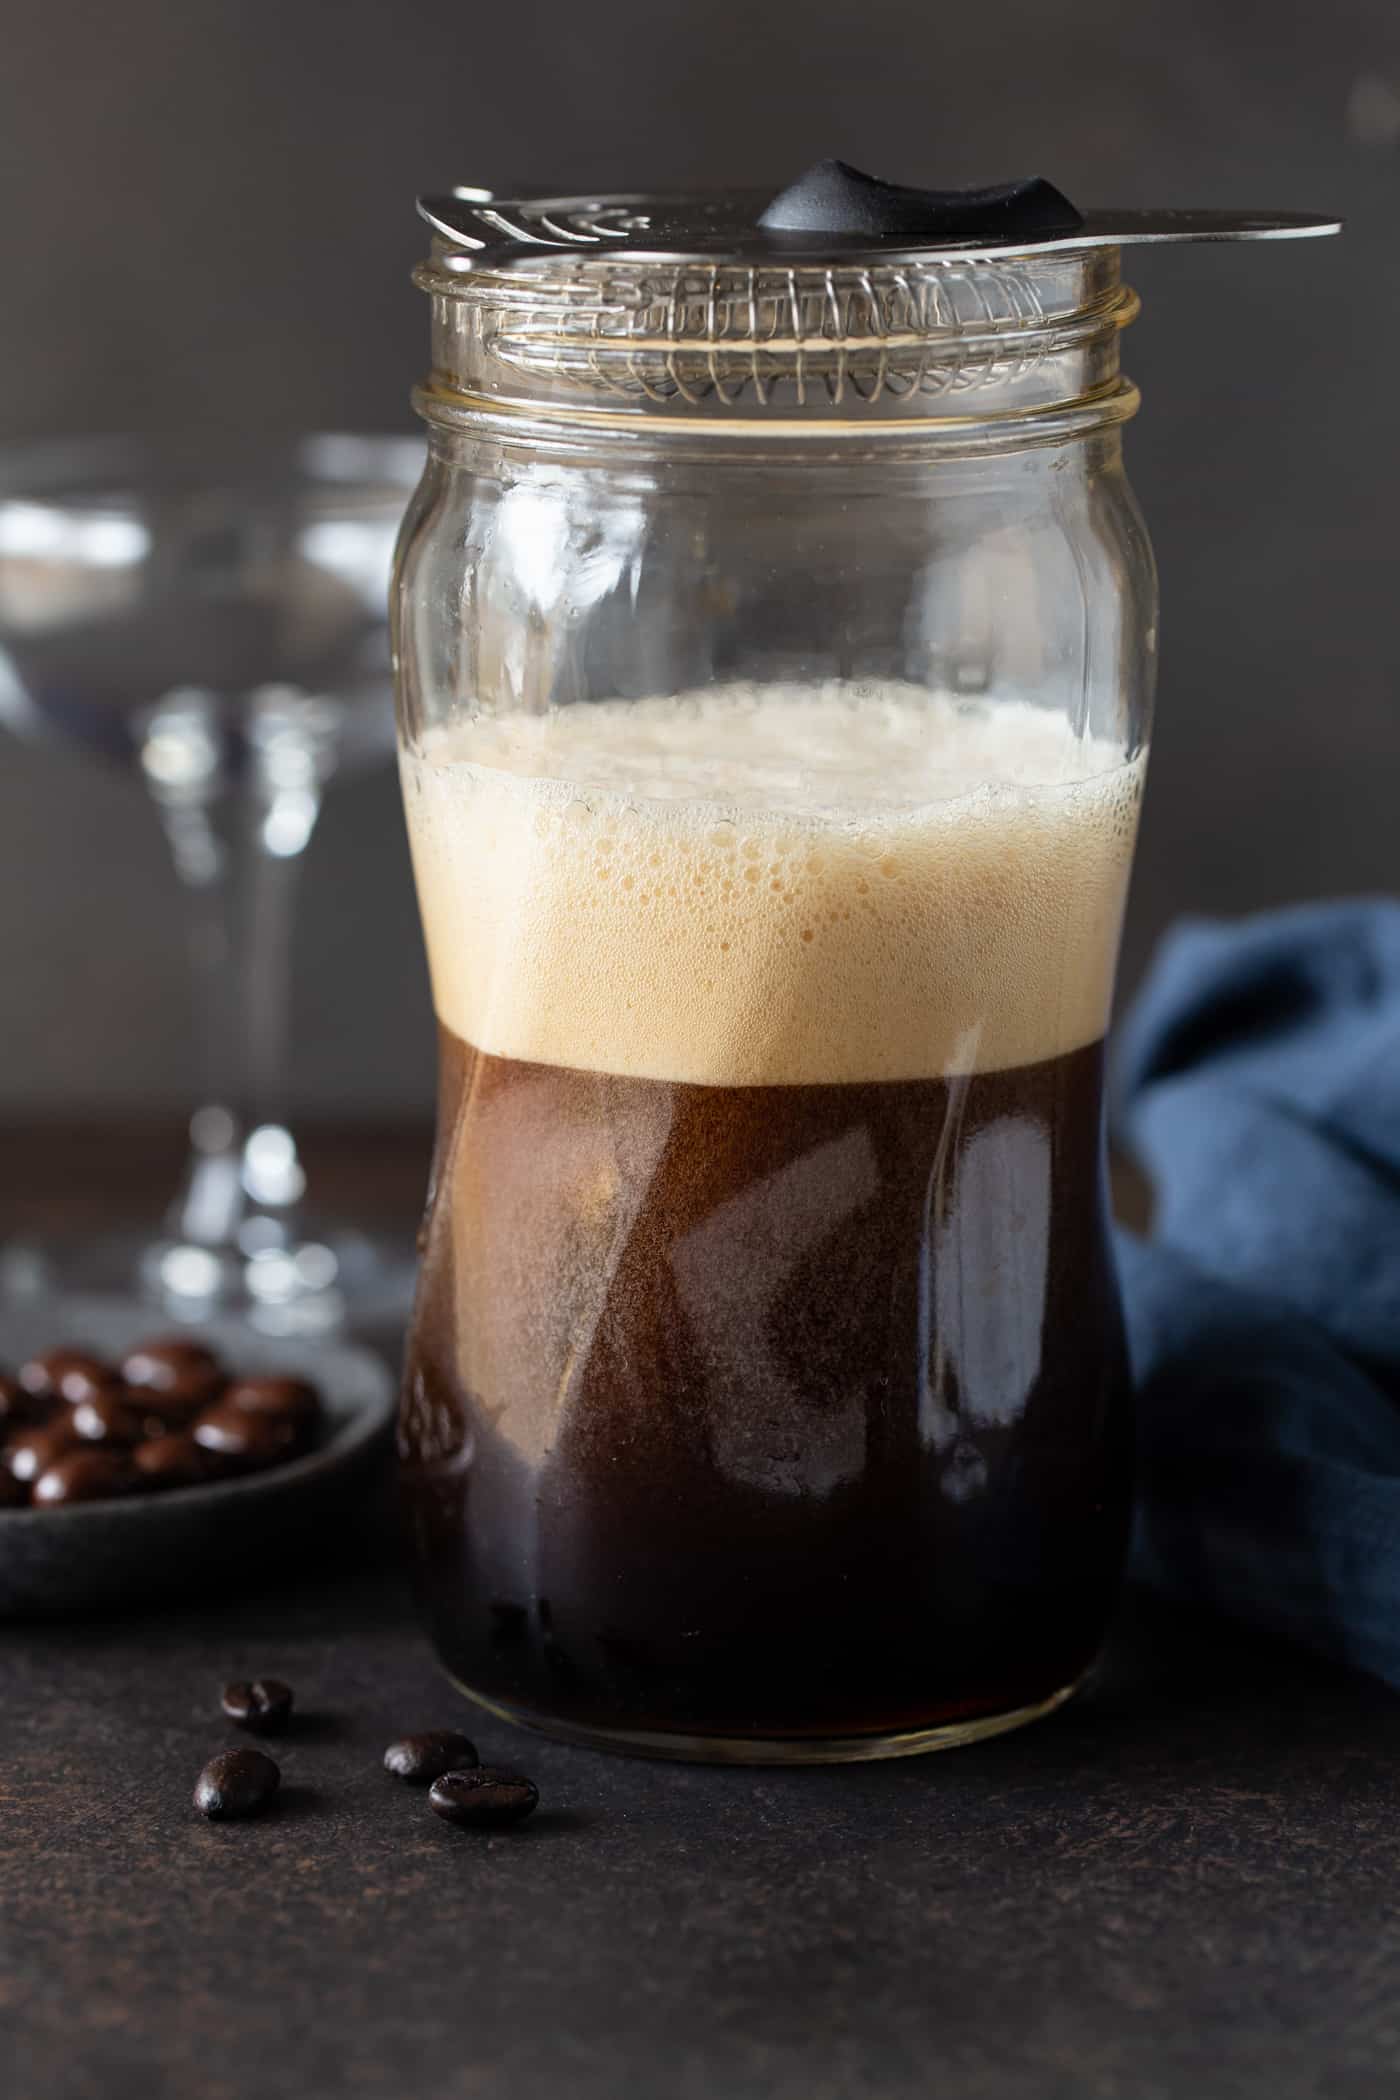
<point>782,340</point>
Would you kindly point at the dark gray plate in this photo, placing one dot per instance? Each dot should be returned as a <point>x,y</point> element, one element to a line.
<point>98,1556</point>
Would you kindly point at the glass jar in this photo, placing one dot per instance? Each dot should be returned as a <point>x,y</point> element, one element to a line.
<point>775,634</point>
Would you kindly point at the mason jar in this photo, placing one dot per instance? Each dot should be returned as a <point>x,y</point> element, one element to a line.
<point>775,633</point>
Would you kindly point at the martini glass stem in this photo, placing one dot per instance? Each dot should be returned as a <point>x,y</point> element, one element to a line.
<point>239,791</point>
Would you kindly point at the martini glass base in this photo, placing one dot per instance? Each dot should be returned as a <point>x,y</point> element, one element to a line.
<point>319,1281</point>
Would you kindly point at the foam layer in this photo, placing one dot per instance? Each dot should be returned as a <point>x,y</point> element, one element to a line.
<point>813,887</point>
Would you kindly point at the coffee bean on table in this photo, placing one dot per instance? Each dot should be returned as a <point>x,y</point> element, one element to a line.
<point>31,1453</point>
<point>175,1461</point>
<point>236,1783</point>
<point>264,1706</point>
<point>174,1376</point>
<point>251,1440</point>
<point>285,1399</point>
<point>483,1798</point>
<point>420,1759</point>
<point>90,1475</point>
<point>67,1374</point>
<point>107,1419</point>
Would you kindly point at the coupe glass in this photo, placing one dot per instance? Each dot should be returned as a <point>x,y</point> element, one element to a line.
<point>212,615</point>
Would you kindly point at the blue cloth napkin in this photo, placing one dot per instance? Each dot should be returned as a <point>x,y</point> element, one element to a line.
<point>1258,1085</point>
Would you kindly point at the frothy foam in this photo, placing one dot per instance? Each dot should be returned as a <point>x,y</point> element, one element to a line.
<point>804,885</point>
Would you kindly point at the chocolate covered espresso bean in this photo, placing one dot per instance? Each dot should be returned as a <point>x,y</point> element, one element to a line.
<point>35,1450</point>
<point>175,1377</point>
<point>175,1460</point>
<point>67,1374</point>
<point>284,1399</point>
<point>106,1418</point>
<point>22,1410</point>
<point>247,1440</point>
<point>91,1475</point>
<point>172,1416</point>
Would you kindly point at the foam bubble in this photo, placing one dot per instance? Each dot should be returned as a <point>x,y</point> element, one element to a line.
<point>785,887</point>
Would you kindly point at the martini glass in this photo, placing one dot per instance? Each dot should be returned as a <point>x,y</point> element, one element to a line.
<point>211,616</point>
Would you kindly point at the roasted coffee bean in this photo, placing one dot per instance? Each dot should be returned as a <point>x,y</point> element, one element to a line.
<point>174,1376</point>
<point>107,1419</point>
<point>285,1399</point>
<point>236,1783</point>
<point>92,1475</point>
<point>420,1759</point>
<point>264,1706</point>
<point>12,1495</point>
<point>248,1440</point>
<point>35,1450</point>
<point>175,1461</point>
<point>21,1410</point>
<point>483,1799</point>
<point>67,1374</point>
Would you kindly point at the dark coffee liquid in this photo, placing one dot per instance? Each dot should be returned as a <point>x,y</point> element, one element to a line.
<point>791,1411</point>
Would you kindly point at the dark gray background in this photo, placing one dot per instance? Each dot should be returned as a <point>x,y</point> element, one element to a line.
<point>208,217</point>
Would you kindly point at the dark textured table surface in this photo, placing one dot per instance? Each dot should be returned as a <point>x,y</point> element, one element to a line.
<point>1186,1884</point>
